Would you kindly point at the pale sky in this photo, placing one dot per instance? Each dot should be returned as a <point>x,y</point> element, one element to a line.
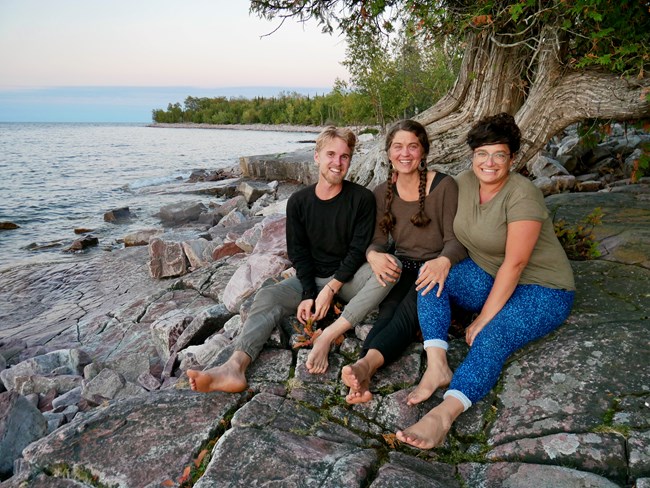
<point>47,46</point>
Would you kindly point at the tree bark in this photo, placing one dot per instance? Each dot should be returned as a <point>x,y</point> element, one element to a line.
<point>491,81</point>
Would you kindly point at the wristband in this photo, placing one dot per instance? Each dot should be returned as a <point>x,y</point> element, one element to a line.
<point>331,289</point>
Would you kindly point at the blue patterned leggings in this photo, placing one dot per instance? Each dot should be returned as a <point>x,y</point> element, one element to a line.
<point>531,312</point>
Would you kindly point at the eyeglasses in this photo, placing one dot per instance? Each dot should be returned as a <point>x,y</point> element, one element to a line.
<point>497,157</point>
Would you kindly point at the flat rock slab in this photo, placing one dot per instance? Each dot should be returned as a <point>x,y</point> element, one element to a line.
<point>570,380</point>
<point>408,472</point>
<point>142,441</point>
<point>624,234</point>
<point>43,304</point>
<point>267,457</point>
<point>516,475</point>
<point>596,453</point>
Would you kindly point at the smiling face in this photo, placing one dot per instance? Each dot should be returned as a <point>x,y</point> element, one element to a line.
<point>491,164</point>
<point>405,152</point>
<point>333,159</point>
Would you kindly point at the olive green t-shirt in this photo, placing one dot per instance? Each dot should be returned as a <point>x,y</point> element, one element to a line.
<point>482,229</point>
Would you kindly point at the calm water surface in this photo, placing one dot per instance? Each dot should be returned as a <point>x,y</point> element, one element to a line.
<point>58,177</point>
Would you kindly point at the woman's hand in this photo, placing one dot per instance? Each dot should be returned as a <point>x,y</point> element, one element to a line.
<point>384,266</point>
<point>474,328</point>
<point>433,272</point>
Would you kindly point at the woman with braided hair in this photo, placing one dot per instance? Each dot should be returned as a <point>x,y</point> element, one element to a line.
<point>415,213</point>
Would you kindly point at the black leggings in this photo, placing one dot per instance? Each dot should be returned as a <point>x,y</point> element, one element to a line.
<point>397,324</point>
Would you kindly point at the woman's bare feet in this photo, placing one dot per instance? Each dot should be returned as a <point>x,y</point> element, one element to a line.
<point>229,377</point>
<point>432,429</point>
<point>317,360</point>
<point>357,376</point>
<point>436,376</point>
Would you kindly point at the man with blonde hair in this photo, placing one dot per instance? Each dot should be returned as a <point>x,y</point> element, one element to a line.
<point>329,227</point>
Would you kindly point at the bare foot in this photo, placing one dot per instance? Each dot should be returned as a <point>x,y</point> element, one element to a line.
<point>437,375</point>
<point>357,377</point>
<point>433,378</point>
<point>428,433</point>
<point>227,377</point>
<point>317,360</point>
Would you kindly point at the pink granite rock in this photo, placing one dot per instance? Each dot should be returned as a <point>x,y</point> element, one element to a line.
<point>249,276</point>
<point>166,259</point>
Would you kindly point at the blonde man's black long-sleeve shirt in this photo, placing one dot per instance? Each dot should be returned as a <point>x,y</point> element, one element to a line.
<point>329,237</point>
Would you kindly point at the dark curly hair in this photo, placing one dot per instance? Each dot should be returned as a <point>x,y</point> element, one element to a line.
<point>420,219</point>
<point>495,129</point>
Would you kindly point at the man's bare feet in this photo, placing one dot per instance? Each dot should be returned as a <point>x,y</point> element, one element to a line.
<point>436,376</point>
<point>229,377</point>
<point>432,429</point>
<point>357,377</point>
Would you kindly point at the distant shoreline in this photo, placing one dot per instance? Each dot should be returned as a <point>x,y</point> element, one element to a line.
<point>259,127</point>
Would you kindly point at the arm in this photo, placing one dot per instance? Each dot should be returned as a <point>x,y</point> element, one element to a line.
<point>383,264</point>
<point>298,249</point>
<point>435,271</point>
<point>520,242</point>
<point>363,227</point>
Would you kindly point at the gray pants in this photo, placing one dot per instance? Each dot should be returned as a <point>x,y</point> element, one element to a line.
<point>272,303</point>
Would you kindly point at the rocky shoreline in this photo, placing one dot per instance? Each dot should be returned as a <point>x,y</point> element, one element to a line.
<point>93,354</point>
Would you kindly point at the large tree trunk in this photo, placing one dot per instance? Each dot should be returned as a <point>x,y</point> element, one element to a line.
<point>491,80</point>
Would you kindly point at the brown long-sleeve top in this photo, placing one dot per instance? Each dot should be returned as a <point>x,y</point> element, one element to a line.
<point>421,243</point>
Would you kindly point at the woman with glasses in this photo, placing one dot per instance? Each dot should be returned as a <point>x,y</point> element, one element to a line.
<point>517,279</point>
<point>415,211</point>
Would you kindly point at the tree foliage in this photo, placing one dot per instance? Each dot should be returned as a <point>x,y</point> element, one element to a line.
<point>550,63</point>
<point>608,33</point>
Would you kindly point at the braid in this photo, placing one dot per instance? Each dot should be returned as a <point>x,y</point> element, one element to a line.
<point>388,221</point>
<point>420,219</point>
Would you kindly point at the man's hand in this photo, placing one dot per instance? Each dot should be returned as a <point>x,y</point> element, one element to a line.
<point>384,266</point>
<point>304,312</point>
<point>323,302</point>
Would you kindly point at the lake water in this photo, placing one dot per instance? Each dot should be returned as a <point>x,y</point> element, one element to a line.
<point>58,177</point>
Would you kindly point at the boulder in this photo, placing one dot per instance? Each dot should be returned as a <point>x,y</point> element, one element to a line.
<point>279,207</point>
<point>225,250</point>
<point>63,361</point>
<point>297,166</point>
<point>235,203</point>
<point>195,251</point>
<point>118,215</point>
<point>166,259</point>
<point>59,383</point>
<point>71,397</point>
<point>141,237</point>
<point>83,243</point>
<point>252,190</point>
<point>20,425</point>
<point>233,218</point>
<point>203,325</point>
<point>166,330</point>
<point>5,225</point>
<point>273,238</point>
<point>250,275</point>
<point>181,213</point>
<point>544,166</point>
<point>143,441</point>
